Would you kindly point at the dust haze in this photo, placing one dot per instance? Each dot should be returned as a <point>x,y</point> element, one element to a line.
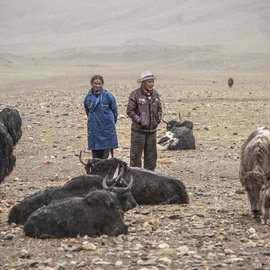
<point>68,39</point>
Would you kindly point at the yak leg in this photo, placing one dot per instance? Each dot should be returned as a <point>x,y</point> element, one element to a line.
<point>265,207</point>
<point>173,199</point>
<point>265,216</point>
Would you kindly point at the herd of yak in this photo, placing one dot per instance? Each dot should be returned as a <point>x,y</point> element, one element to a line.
<point>94,203</point>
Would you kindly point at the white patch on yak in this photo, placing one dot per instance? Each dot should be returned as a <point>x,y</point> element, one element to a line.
<point>169,140</point>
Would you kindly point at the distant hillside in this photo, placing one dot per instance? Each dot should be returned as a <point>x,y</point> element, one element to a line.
<point>187,34</point>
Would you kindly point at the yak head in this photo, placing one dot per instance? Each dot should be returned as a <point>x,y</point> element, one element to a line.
<point>102,167</point>
<point>254,181</point>
<point>174,124</point>
<point>124,195</point>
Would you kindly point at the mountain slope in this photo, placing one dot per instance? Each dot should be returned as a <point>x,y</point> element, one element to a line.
<point>151,30</point>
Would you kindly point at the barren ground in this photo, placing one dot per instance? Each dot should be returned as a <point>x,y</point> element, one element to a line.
<point>215,231</point>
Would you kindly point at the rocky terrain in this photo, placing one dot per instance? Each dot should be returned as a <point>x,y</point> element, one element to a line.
<point>214,231</point>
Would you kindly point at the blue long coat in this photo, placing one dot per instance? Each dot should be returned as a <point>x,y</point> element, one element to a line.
<point>102,115</point>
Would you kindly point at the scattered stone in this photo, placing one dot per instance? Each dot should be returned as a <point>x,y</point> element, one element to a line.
<point>101,262</point>
<point>251,230</point>
<point>118,263</point>
<point>163,245</point>
<point>9,236</point>
<point>88,246</point>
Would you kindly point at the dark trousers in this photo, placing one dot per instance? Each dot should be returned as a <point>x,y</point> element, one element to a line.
<point>102,154</point>
<point>145,143</point>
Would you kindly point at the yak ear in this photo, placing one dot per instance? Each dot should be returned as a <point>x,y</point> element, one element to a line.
<point>108,201</point>
<point>242,176</point>
<point>242,172</point>
<point>259,169</point>
<point>263,188</point>
<point>267,174</point>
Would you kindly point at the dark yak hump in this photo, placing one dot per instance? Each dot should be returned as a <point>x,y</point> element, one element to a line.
<point>101,198</point>
<point>86,182</point>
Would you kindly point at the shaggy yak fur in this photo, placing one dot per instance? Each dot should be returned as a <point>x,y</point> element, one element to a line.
<point>96,214</point>
<point>178,137</point>
<point>78,186</point>
<point>12,120</point>
<point>254,166</point>
<point>265,198</point>
<point>10,134</point>
<point>7,159</point>
<point>148,187</point>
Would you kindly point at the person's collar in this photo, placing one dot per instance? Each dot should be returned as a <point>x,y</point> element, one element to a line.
<point>96,94</point>
<point>148,93</point>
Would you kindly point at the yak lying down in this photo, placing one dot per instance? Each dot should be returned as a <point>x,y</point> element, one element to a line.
<point>148,187</point>
<point>78,186</point>
<point>96,214</point>
<point>179,136</point>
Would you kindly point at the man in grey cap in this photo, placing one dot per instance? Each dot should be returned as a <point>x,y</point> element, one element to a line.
<point>145,110</point>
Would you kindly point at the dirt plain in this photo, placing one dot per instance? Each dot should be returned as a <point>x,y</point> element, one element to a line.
<point>214,231</point>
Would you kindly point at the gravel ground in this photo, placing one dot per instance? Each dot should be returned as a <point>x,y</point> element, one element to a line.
<point>214,231</point>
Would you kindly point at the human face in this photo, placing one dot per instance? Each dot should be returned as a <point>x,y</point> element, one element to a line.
<point>96,85</point>
<point>149,85</point>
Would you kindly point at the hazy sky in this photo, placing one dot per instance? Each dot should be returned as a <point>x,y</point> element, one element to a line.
<point>41,26</point>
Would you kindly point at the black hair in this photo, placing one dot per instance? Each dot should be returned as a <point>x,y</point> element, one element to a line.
<point>97,77</point>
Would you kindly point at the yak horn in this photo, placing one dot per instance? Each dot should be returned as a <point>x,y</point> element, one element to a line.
<point>179,116</point>
<point>119,176</point>
<point>162,119</point>
<point>104,181</point>
<point>80,158</point>
<point>110,153</point>
<point>130,183</point>
<point>116,171</point>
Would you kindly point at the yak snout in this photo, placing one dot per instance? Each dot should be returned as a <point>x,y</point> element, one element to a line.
<point>256,213</point>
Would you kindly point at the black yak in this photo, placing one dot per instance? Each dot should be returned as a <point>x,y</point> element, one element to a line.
<point>77,187</point>
<point>179,136</point>
<point>230,82</point>
<point>95,214</point>
<point>7,158</point>
<point>12,120</point>
<point>148,187</point>
<point>10,134</point>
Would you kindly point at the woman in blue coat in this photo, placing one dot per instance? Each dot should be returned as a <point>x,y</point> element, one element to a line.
<point>102,112</point>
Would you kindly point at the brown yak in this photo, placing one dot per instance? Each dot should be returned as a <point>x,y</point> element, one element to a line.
<point>255,162</point>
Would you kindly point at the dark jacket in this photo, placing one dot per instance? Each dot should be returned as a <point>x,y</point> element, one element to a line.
<point>102,115</point>
<point>144,110</point>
